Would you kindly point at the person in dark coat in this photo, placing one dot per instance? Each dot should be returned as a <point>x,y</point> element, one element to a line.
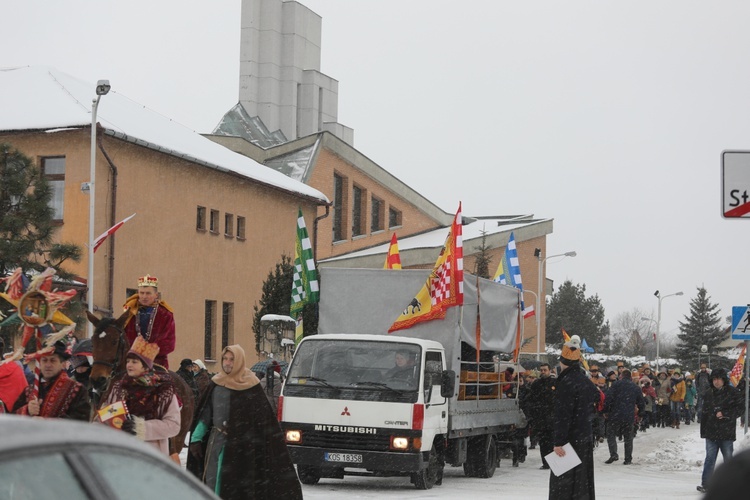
<point>237,447</point>
<point>576,396</point>
<point>722,405</point>
<point>540,407</point>
<point>619,410</point>
<point>186,372</point>
<point>702,384</point>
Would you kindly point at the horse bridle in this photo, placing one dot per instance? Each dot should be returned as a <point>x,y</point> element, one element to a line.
<point>114,364</point>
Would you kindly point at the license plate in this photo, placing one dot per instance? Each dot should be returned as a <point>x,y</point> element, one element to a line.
<point>343,457</point>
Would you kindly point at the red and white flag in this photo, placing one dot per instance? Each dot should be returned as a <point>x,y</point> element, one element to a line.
<point>110,231</point>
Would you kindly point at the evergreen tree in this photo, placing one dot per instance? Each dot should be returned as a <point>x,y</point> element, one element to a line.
<point>276,298</point>
<point>482,259</point>
<point>702,327</point>
<point>569,308</point>
<point>26,219</point>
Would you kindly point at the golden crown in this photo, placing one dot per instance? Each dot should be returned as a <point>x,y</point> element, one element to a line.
<point>148,280</point>
<point>147,352</point>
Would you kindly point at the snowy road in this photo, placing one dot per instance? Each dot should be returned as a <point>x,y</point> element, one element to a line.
<point>667,464</point>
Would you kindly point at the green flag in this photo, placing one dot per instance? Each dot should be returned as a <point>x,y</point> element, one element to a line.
<point>305,288</point>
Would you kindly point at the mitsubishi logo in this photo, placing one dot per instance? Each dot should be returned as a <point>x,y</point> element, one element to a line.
<point>346,412</point>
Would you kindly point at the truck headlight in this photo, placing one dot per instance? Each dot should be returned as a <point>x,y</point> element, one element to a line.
<point>293,436</point>
<point>399,443</point>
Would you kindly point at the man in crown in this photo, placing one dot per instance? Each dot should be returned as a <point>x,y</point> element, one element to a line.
<point>151,319</point>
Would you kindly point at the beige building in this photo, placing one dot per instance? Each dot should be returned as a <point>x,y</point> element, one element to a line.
<point>209,223</point>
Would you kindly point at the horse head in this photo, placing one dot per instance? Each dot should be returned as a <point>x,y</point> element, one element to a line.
<point>108,348</point>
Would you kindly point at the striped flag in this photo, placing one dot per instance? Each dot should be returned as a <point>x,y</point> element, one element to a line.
<point>393,259</point>
<point>110,231</point>
<point>736,374</point>
<point>509,273</point>
<point>444,287</point>
<point>305,288</point>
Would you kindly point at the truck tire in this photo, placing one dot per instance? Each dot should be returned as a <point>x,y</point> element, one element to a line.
<point>481,460</point>
<point>308,474</point>
<point>433,474</point>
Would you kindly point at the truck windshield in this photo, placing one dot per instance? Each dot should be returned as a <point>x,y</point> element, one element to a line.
<point>348,364</point>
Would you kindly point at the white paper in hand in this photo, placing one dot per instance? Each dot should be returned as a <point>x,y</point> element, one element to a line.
<point>561,465</point>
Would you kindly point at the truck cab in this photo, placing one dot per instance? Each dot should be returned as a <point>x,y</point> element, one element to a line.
<point>367,404</point>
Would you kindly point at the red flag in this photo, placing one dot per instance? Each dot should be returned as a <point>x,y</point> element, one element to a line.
<point>736,374</point>
<point>393,259</point>
<point>110,231</point>
<point>444,287</point>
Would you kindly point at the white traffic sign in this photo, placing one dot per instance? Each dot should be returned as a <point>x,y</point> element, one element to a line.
<point>735,181</point>
<point>740,323</point>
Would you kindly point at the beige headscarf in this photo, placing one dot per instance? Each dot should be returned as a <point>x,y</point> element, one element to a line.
<point>241,378</point>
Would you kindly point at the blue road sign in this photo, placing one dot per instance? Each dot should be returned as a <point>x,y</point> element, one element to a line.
<point>740,323</point>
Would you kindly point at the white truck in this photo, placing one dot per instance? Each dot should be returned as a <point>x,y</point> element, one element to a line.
<point>346,409</point>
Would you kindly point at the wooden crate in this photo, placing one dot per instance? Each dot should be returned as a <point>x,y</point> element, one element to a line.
<point>489,385</point>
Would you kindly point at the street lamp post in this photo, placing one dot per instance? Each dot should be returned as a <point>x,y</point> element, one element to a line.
<point>102,88</point>
<point>658,322</point>
<point>538,255</point>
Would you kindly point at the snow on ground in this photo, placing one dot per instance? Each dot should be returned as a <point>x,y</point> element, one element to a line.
<point>667,464</point>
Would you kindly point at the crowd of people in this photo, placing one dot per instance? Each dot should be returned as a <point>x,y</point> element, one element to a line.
<point>236,446</point>
<point>587,405</point>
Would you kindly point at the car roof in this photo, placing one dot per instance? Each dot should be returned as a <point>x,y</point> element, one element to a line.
<point>22,432</point>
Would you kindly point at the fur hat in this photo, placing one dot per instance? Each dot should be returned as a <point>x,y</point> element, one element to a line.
<point>200,364</point>
<point>571,351</point>
<point>720,373</point>
<point>186,363</point>
<point>644,380</point>
<point>144,351</point>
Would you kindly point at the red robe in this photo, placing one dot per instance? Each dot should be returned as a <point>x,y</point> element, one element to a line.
<point>162,334</point>
<point>12,384</point>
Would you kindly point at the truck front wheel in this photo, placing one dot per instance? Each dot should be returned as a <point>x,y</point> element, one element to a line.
<point>432,474</point>
<point>308,474</point>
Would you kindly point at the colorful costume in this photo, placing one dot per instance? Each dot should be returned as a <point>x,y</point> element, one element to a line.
<point>155,324</point>
<point>12,384</point>
<point>62,397</point>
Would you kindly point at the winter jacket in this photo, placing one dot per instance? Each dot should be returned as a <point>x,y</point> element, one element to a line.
<point>729,402</point>
<point>540,403</point>
<point>622,399</point>
<point>691,394</point>
<point>649,397</point>
<point>576,396</point>
<point>662,393</point>
<point>678,389</point>
<point>702,382</point>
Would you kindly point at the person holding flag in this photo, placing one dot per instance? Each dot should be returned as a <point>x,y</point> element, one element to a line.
<point>444,286</point>
<point>305,289</point>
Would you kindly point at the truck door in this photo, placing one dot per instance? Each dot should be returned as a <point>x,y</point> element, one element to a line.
<point>436,406</point>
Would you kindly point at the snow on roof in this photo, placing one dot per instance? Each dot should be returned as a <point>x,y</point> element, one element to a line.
<point>436,237</point>
<point>41,98</point>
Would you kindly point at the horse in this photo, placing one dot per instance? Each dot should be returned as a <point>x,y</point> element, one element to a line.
<point>109,350</point>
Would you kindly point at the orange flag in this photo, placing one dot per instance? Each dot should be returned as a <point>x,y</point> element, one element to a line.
<point>444,287</point>
<point>736,374</point>
<point>393,259</point>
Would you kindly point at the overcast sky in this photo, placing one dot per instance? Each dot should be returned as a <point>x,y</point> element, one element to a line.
<point>609,117</point>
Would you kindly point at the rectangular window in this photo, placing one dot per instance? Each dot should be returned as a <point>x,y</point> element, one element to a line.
<point>214,227</point>
<point>358,211</point>
<point>227,324</point>
<point>53,169</point>
<point>200,222</point>
<point>394,218</point>
<point>209,330</point>
<point>338,207</point>
<point>377,216</point>
<point>240,228</point>
<point>228,225</point>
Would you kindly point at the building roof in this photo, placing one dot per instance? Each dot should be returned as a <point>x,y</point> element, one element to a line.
<point>422,248</point>
<point>42,98</point>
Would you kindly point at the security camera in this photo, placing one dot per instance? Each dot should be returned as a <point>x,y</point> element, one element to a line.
<point>102,87</point>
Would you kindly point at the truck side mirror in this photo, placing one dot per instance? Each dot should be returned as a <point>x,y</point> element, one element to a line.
<point>447,383</point>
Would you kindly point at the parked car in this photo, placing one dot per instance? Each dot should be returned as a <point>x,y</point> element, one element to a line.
<point>54,458</point>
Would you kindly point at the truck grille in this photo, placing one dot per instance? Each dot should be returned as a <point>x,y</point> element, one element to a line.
<point>346,441</point>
